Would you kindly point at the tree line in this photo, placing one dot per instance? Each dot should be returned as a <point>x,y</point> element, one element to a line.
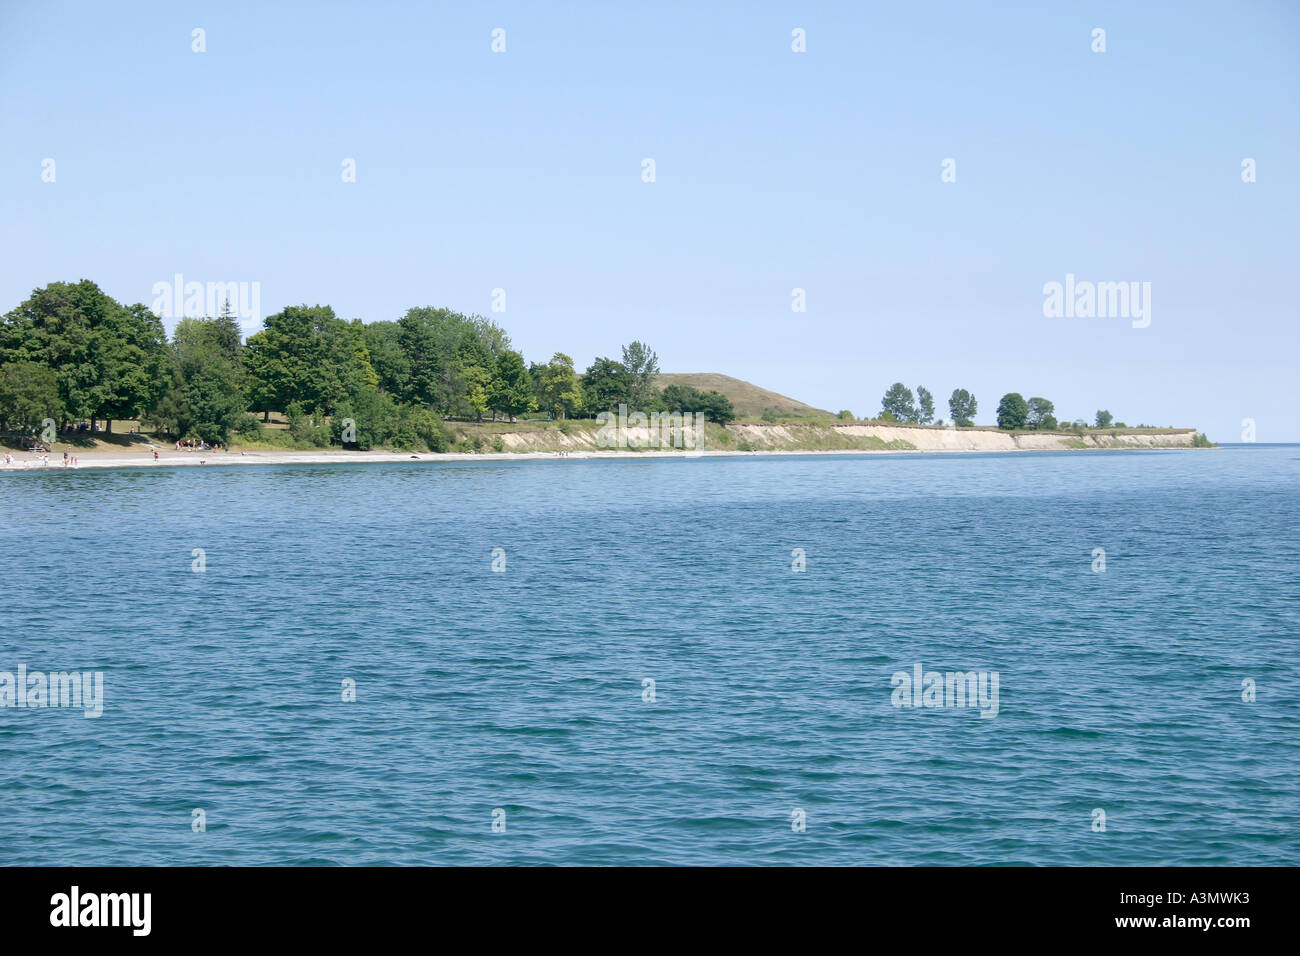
<point>899,405</point>
<point>72,354</point>
<point>1015,412</point>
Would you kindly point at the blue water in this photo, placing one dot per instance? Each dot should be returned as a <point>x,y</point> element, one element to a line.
<point>522,690</point>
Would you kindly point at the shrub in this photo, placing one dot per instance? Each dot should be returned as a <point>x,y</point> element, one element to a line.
<point>249,427</point>
<point>374,418</point>
<point>418,428</point>
<point>307,429</point>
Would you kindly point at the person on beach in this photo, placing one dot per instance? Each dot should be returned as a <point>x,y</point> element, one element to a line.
<point>155,454</point>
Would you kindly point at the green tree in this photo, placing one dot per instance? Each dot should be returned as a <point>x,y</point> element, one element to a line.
<point>106,358</point>
<point>271,373</point>
<point>605,385</point>
<point>206,395</point>
<point>1040,416</point>
<point>558,387</point>
<point>717,408</point>
<point>373,416</point>
<point>925,405</point>
<point>1104,418</point>
<point>29,394</point>
<point>391,365</point>
<point>962,407</point>
<point>224,332</point>
<point>897,403</point>
<point>681,398</point>
<point>713,405</point>
<point>208,335</point>
<point>137,363</point>
<point>213,399</point>
<point>1013,411</point>
<point>641,365</point>
<point>512,390</point>
<point>307,354</point>
<point>441,347</point>
<point>478,390</point>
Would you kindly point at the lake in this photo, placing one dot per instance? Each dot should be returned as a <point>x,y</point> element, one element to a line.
<point>621,661</point>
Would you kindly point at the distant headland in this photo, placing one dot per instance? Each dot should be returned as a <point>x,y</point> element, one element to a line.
<point>92,382</point>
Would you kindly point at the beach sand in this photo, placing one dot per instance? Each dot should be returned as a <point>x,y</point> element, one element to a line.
<point>133,450</point>
<point>168,457</point>
<point>30,462</point>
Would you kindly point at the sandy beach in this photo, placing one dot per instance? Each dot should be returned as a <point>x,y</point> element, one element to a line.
<point>525,444</point>
<point>114,457</point>
<point>28,463</point>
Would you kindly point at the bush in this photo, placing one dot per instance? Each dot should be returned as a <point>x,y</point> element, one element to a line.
<point>249,427</point>
<point>307,429</point>
<point>713,405</point>
<point>418,428</point>
<point>374,418</point>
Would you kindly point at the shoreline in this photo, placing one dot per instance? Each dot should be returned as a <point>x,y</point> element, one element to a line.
<point>105,461</point>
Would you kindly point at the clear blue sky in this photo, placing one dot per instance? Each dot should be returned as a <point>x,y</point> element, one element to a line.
<point>775,170</point>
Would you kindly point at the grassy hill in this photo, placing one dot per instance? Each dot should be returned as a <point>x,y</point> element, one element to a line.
<point>749,400</point>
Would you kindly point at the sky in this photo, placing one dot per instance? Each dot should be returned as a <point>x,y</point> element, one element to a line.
<point>774,170</point>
